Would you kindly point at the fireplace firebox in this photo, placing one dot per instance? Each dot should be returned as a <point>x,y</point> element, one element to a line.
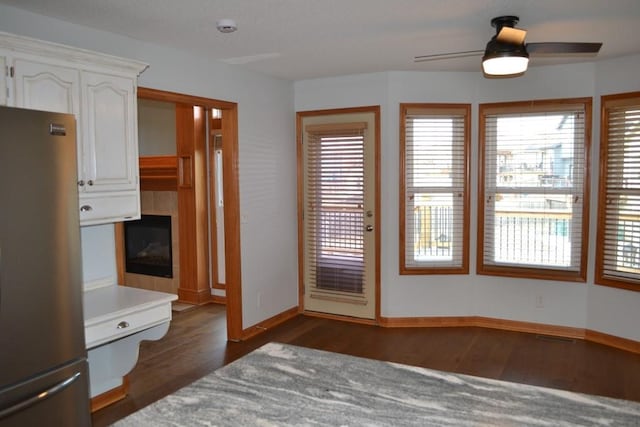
<point>147,243</point>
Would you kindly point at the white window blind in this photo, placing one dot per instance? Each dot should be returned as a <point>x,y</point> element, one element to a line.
<point>434,169</point>
<point>334,213</point>
<point>533,191</point>
<point>619,204</point>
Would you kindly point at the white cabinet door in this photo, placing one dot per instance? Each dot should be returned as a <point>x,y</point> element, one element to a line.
<point>110,149</point>
<point>41,86</point>
<point>3,80</point>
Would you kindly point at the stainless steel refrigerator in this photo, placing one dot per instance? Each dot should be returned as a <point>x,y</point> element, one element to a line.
<point>43,364</point>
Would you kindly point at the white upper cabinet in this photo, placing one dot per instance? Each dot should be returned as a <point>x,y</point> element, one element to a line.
<point>101,91</point>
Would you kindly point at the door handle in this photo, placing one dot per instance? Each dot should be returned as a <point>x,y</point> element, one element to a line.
<point>39,397</point>
<point>369,228</point>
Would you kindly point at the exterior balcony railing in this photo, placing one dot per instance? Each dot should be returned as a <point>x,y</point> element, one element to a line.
<point>522,237</point>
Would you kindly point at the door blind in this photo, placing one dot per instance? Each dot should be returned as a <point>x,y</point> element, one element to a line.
<point>435,168</point>
<point>620,206</point>
<point>534,183</point>
<point>334,213</point>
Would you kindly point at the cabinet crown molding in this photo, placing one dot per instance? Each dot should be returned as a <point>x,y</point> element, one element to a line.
<point>82,57</point>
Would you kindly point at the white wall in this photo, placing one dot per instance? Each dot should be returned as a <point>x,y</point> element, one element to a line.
<point>267,155</point>
<point>156,128</point>
<point>564,303</point>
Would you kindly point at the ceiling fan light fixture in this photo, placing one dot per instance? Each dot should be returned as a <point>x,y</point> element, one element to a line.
<point>504,59</point>
<point>505,65</point>
<point>507,54</point>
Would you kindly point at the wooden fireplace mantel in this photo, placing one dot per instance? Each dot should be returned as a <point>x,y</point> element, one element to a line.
<point>158,173</point>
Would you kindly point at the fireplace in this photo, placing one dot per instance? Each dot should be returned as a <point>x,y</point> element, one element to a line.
<point>147,244</point>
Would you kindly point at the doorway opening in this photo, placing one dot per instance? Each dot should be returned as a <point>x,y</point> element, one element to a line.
<point>198,184</point>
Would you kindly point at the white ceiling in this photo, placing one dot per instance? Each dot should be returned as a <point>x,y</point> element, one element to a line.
<point>301,39</point>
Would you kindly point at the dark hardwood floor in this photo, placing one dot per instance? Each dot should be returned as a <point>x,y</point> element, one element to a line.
<point>196,345</point>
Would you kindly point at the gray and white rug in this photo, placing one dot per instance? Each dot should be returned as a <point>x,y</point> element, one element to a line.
<point>283,385</point>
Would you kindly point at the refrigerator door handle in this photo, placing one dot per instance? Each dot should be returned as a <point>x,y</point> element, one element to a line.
<point>40,396</point>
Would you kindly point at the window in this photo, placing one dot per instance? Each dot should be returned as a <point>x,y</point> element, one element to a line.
<point>533,192</point>
<point>334,208</point>
<point>434,188</point>
<point>618,250</point>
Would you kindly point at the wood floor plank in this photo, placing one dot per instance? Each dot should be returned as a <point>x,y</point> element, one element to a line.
<point>196,345</point>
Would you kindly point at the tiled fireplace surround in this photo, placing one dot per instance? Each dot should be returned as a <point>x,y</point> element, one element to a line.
<point>160,203</point>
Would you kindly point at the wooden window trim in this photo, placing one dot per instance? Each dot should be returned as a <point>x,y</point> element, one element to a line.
<point>526,107</point>
<point>607,101</point>
<point>444,109</point>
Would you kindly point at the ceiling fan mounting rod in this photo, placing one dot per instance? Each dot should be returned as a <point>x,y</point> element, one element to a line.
<point>504,21</point>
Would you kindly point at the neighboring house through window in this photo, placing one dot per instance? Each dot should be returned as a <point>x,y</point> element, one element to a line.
<point>533,189</point>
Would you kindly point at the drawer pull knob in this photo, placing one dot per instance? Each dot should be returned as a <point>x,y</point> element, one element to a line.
<point>85,208</point>
<point>123,325</point>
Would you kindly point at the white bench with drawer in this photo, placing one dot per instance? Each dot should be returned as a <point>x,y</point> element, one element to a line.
<point>116,320</point>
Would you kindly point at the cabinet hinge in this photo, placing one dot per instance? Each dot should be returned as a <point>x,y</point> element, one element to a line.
<point>11,71</point>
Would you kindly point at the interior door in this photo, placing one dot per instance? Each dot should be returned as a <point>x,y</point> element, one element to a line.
<point>216,205</point>
<point>339,212</point>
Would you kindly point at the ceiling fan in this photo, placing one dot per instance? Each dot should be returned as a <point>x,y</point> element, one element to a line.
<point>507,55</point>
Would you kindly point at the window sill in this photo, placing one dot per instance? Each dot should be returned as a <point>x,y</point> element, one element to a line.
<point>619,284</point>
<point>533,273</point>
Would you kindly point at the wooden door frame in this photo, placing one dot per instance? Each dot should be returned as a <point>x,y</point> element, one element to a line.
<point>231,190</point>
<point>300,115</point>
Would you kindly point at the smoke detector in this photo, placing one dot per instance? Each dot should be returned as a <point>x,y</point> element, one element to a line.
<point>226,25</point>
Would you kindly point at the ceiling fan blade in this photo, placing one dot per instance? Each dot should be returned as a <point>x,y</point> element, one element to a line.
<point>450,55</point>
<point>511,35</point>
<point>560,48</point>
